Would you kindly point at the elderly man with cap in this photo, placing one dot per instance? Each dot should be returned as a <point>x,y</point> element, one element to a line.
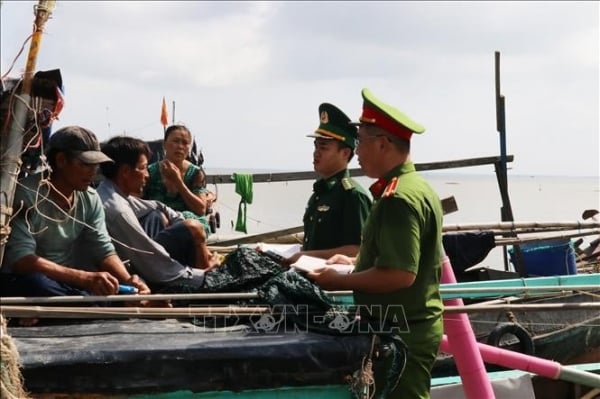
<point>338,207</point>
<point>58,243</point>
<point>397,272</point>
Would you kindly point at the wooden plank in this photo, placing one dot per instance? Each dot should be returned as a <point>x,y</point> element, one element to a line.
<point>448,205</point>
<point>255,238</point>
<point>311,175</point>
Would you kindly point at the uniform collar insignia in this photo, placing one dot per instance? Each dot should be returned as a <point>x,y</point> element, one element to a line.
<point>390,189</point>
<point>383,188</point>
<point>378,187</point>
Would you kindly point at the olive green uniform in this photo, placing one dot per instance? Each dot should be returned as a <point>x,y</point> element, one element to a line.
<point>404,231</point>
<point>336,213</point>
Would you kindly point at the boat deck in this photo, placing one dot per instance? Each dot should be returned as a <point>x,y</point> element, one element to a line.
<point>143,356</point>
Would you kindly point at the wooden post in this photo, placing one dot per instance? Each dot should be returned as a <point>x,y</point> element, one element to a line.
<point>11,146</point>
<point>506,212</point>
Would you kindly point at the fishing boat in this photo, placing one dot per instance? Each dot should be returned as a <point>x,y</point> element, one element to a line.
<point>220,351</point>
<point>203,350</point>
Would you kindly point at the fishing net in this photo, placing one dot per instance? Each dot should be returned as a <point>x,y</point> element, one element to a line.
<point>297,303</point>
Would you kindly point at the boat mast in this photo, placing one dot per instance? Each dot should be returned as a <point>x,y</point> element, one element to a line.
<point>11,145</point>
<point>506,212</point>
<point>501,169</point>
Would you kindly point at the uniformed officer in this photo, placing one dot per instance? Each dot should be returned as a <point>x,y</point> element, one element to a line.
<point>338,207</point>
<point>399,259</point>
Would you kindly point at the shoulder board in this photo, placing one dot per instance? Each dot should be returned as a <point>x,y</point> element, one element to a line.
<point>347,183</point>
<point>390,189</point>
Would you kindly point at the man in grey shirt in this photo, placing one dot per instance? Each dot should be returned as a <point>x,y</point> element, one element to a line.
<point>59,244</point>
<point>177,252</point>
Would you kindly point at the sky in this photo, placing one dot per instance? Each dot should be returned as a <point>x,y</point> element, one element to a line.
<point>247,77</point>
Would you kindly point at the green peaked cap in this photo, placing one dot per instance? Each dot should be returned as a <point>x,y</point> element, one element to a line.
<point>387,117</point>
<point>334,124</point>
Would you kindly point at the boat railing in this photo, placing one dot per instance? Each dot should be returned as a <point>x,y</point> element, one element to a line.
<point>311,175</point>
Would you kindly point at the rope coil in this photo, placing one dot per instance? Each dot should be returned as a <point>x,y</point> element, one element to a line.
<point>11,380</point>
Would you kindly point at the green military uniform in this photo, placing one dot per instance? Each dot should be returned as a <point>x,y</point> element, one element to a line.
<point>404,231</point>
<point>336,213</point>
<point>337,210</point>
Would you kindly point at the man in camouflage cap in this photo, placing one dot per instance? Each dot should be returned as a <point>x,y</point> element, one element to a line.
<point>338,207</point>
<point>398,267</point>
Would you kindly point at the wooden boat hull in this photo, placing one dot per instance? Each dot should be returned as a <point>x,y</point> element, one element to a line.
<point>143,357</point>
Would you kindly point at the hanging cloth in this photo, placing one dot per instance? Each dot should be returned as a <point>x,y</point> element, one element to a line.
<point>243,187</point>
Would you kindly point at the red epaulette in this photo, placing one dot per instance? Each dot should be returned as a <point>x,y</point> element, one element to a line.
<point>377,187</point>
<point>390,189</point>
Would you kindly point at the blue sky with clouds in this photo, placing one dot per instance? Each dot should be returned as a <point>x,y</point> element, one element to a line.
<point>247,77</point>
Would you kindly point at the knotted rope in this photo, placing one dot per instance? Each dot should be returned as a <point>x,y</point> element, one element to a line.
<point>362,382</point>
<point>11,381</point>
<point>243,187</point>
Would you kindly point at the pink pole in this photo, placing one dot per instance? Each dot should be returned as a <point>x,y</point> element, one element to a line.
<point>514,360</point>
<point>460,341</point>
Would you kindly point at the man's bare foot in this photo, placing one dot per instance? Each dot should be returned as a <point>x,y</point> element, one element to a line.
<point>216,259</point>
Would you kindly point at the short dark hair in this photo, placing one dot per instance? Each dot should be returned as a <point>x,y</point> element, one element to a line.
<point>341,145</point>
<point>123,150</point>
<point>173,128</point>
<point>51,156</point>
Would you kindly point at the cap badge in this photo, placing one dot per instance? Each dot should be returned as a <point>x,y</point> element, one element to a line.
<point>324,117</point>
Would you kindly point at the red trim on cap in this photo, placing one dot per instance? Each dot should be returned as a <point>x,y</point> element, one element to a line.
<point>378,118</point>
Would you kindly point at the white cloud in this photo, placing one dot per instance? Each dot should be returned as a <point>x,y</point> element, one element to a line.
<point>247,77</point>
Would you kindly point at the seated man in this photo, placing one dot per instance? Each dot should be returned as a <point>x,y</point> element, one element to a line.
<point>59,244</point>
<point>163,247</point>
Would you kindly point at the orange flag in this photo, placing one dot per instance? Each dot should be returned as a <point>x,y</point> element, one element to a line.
<point>164,117</point>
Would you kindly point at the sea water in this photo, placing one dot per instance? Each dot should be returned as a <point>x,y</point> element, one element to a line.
<point>280,205</point>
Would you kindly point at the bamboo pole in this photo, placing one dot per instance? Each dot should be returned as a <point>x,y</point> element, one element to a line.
<point>312,175</point>
<point>518,225</point>
<point>445,291</point>
<point>513,241</point>
<point>125,298</point>
<point>543,307</point>
<point>11,146</point>
<point>524,289</point>
<point>128,312</point>
<point>258,237</point>
<point>43,11</point>
<point>75,312</point>
<point>492,290</point>
<point>583,228</point>
<point>532,230</point>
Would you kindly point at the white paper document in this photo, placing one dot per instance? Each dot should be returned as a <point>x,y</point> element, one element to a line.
<point>310,263</point>
<point>282,250</point>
